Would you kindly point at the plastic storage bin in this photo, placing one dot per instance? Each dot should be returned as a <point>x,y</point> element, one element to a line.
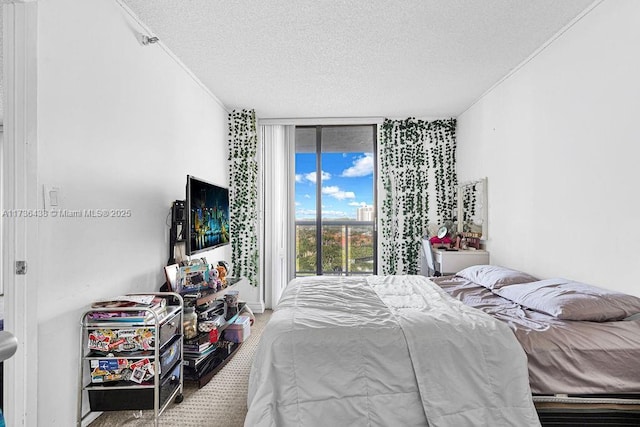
<point>190,323</point>
<point>239,330</point>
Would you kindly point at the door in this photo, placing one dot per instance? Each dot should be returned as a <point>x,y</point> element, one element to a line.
<point>19,194</point>
<point>335,231</point>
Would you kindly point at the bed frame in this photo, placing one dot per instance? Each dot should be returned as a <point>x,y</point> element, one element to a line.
<point>616,409</point>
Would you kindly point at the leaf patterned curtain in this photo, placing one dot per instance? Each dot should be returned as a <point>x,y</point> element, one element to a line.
<point>408,149</point>
<point>243,194</point>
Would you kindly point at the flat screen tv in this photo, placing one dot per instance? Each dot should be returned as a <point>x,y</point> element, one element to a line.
<point>208,215</point>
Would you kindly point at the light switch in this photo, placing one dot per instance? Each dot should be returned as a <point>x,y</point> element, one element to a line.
<point>51,196</point>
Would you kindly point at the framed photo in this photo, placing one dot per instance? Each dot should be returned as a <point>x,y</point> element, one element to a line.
<point>190,278</point>
<point>171,274</point>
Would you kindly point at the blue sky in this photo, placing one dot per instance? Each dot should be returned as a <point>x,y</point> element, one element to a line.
<point>347,183</point>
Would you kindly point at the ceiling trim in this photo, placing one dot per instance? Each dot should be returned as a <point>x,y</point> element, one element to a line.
<point>537,52</point>
<point>328,121</point>
<point>324,121</point>
<point>168,51</point>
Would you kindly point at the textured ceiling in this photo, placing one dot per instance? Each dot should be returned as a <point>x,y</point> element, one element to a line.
<point>346,58</point>
<point>350,58</point>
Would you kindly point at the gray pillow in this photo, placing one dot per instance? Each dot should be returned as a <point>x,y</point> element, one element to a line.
<point>494,276</point>
<point>569,300</point>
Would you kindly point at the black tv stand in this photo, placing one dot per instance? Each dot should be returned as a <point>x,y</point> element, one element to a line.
<point>200,368</point>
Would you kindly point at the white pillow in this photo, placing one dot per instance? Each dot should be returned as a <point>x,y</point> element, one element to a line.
<point>494,276</point>
<point>569,300</point>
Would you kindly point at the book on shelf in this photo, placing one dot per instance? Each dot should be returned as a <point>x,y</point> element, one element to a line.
<point>201,338</point>
<point>192,360</point>
<point>196,348</point>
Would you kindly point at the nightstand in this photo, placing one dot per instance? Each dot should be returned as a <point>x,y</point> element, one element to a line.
<point>450,262</point>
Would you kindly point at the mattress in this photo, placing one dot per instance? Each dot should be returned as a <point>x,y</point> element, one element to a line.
<point>564,356</point>
<point>385,350</point>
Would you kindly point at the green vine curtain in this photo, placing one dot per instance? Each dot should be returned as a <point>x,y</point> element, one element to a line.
<point>243,194</point>
<point>408,150</point>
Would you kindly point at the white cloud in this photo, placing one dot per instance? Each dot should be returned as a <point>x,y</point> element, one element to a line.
<point>299,177</point>
<point>307,196</point>
<point>336,193</point>
<point>362,166</point>
<point>311,176</point>
<point>358,204</point>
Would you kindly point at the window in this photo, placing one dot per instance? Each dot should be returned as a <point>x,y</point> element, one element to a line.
<point>335,200</point>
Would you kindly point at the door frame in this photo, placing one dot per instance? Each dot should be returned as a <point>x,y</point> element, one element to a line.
<point>19,194</point>
<point>318,128</point>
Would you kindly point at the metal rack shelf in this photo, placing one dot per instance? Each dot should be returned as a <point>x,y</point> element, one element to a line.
<point>167,382</point>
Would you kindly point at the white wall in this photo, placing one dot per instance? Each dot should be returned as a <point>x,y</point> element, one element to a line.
<point>558,141</point>
<point>1,206</point>
<point>120,125</point>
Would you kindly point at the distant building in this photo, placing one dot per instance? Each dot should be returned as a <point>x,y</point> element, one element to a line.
<point>365,213</point>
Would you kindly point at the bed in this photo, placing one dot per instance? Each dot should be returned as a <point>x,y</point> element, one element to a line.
<point>385,351</point>
<point>582,342</point>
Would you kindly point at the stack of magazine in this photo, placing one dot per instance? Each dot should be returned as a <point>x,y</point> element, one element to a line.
<point>129,302</point>
<point>197,349</point>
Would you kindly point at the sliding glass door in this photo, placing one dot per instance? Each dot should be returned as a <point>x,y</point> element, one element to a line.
<point>335,200</point>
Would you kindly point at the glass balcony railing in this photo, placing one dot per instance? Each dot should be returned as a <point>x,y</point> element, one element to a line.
<point>347,248</point>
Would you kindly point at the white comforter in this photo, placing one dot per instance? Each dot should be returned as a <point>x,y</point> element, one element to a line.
<point>385,351</point>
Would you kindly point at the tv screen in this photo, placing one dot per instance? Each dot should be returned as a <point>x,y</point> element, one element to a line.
<point>208,218</point>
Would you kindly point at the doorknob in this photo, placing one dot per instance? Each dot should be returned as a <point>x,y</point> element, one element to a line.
<point>8,345</point>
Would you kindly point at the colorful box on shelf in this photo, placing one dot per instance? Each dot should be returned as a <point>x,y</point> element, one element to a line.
<point>239,330</point>
<point>121,369</point>
<point>109,340</point>
<point>134,368</point>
